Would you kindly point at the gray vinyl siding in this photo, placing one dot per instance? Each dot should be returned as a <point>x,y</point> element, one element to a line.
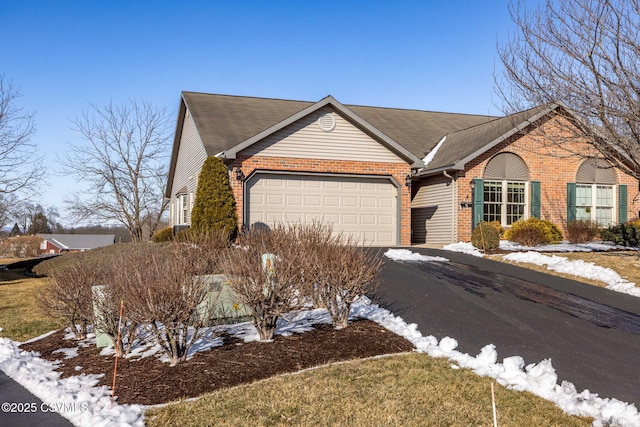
<point>191,157</point>
<point>305,139</point>
<point>433,214</point>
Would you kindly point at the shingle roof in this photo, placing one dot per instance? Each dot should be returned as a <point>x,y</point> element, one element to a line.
<point>463,145</point>
<point>79,241</point>
<point>224,121</point>
<point>229,123</point>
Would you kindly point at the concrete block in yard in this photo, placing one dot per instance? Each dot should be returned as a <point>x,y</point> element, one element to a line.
<point>221,305</point>
<point>102,339</point>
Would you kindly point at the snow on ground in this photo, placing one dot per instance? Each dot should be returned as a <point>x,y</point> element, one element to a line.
<point>84,403</point>
<point>407,255</point>
<point>78,399</point>
<point>579,268</point>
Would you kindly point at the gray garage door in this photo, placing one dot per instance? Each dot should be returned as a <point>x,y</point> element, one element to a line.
<point>363,207</point>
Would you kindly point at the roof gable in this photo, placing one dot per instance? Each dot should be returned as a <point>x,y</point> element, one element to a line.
<point>465,145</point>
<point>344,112</point>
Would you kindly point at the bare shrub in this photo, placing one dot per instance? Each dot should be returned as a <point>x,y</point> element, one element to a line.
<point>164,287</point>
<point>206,247</point>
<point>107,320</point>
<point>272,289</point>
<point>67,296</point>
<point>343,271</point>
<point>582,231</point>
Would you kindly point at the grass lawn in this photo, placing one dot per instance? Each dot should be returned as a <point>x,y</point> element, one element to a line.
<point>409,389</point>
<point>20,317</point>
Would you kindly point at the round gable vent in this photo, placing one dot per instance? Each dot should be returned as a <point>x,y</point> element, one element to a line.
<point>327,122</point>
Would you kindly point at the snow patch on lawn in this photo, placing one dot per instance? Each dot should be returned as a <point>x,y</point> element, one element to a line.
<point>407,255</point>
<point>578,268</point>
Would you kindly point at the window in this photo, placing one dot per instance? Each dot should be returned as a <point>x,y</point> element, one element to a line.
<point>504,201</point>
<point>182,207</point>
<point>595,202</point>
<point>594,192</point>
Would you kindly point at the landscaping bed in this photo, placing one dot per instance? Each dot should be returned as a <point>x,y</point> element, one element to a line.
<point>149,381</point>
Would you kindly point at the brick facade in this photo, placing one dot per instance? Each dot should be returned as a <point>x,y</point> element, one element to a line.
<point>398,171</point>
<point>548,163</point>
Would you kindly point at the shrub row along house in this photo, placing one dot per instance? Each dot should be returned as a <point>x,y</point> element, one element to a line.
<point>392,176</point>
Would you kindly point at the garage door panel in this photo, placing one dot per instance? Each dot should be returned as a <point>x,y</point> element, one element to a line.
<point>274,199</point>
<point>313,200</point>
<point>364,208</point>
<point>385,202</point>
<point>385,220</point>
<point>368,202</point>
<point>350,201</point>
<point>333,201</point>
<point>368,219</point>
<point>294,199</point>
<point>349,219</point>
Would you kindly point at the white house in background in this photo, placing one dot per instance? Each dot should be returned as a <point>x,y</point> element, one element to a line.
<point>58,243</point>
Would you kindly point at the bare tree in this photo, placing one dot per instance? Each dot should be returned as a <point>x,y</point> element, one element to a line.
<point>584,53</point>
<point>123,165</point>
<point>20,167</point>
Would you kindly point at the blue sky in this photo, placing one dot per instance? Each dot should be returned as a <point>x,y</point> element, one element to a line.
<point>428,55</point>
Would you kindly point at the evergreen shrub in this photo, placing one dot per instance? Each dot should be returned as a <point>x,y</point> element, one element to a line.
<point>533,231</point>
<point>627,234</point>
<point>215,207</point>
<point>485,236</point>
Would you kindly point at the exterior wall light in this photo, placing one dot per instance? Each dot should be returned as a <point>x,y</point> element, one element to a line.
<point>472,184</point>
<point>407,181</point>
<point>239,175</point>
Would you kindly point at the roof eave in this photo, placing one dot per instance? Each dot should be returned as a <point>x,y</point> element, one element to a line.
<point>176,145</point>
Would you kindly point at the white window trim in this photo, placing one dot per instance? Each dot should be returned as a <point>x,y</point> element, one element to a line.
<point>503,211</point>
<point>182,207</point>
<point>594,200</point>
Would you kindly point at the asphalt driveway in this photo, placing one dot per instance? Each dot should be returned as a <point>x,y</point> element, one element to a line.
<point>591,334</point>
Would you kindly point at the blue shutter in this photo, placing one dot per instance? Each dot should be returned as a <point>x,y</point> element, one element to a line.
<point>478,201</point>
<point>535,199</point>
<point>571,202</point>
<point>622,204</point>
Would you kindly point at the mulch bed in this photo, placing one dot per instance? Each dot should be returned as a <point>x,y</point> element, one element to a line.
<point>148,381</point>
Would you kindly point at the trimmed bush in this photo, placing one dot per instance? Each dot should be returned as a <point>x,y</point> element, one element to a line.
<point>498,227</point>
<point>582,231</point>
<point>164,235</point>
<point>627,234</point>
<point>533,231</point>
<point>215,207</point>
<point>485,236</point>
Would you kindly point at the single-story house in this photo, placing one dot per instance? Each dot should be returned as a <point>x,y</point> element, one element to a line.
<point>58,243</point>
<point>390,176</point>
